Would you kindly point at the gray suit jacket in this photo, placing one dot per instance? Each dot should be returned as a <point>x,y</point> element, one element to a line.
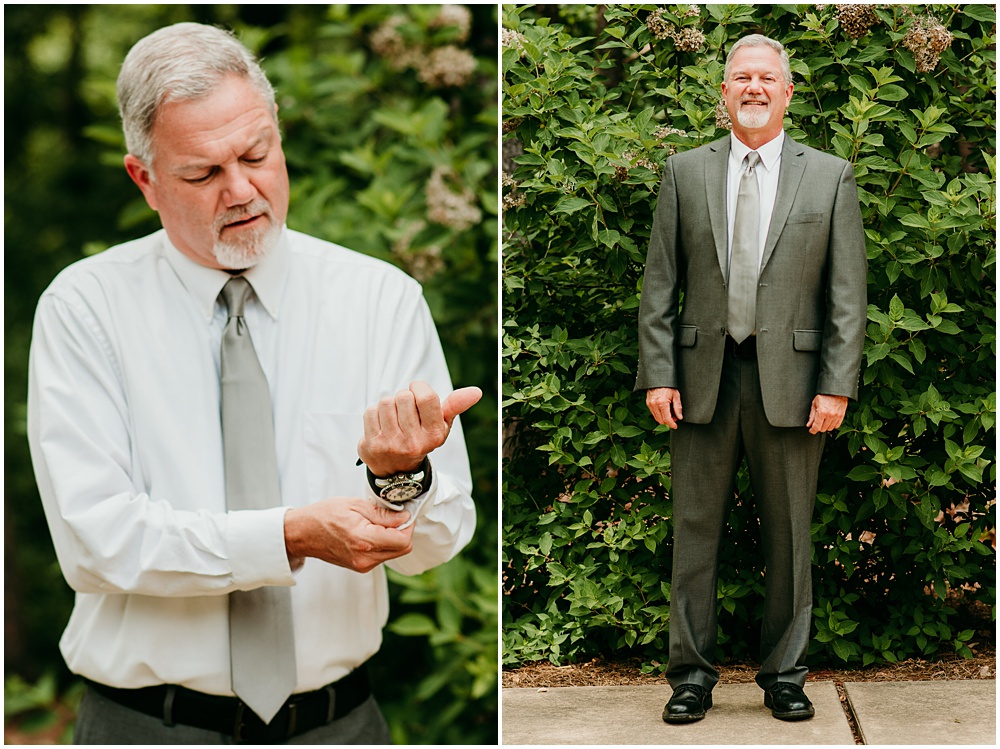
<point>811,298</point>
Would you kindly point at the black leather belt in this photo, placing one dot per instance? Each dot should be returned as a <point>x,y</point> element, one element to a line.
<point>745,350</point>
<point>230,716</point>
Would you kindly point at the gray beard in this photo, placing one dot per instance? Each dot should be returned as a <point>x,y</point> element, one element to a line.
<point>753,120</point>
<point>253,247</point>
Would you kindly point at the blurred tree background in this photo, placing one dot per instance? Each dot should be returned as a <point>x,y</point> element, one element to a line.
<point>389,116</point>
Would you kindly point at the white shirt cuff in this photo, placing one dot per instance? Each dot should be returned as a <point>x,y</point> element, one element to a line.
<point>256,542</point>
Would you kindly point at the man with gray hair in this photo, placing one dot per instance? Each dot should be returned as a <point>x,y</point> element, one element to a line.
<point>762,238</point>
<point>219,496</point>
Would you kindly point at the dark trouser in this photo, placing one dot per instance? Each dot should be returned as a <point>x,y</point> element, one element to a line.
<point>103,721</point>
<point>784,465</point>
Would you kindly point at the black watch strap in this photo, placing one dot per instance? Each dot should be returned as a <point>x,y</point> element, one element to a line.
<point>402,487</point>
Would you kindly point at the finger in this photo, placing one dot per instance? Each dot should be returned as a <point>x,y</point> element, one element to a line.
<point>387,540</point>
<point>407,415</point>
<point>428,405</point>
<point>380,516</point>
<point>658,404</point>
<point>387,420</point>
<point>668,415</point>
<point>460,401</point>
<point>678,409</point>
<point>371,422</point>
<point>813,414</point>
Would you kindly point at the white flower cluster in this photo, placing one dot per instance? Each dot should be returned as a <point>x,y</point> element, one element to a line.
<point>423,263</point>
<point>927,38</point>
<point>439,67</point>
<point>446,66</point>
<point>688,39</point>
<point>513,40</point>
<point>453,15</point>
<point>452,205</point>
<point>722,119</point>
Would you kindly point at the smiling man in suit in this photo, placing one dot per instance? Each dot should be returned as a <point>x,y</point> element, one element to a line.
<point>762,239</point>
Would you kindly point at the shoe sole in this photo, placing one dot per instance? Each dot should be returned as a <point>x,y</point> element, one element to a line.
<point>682,718</point>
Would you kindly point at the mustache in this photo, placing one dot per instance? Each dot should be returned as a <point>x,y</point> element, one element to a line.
<point>257,207</point>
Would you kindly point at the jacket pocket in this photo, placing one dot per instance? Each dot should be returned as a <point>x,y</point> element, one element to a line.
<point>689,334</point>
<point>807,340</point>
<point>804,218</point>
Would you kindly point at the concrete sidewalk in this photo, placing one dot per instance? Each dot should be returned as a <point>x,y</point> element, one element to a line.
<point>912,712</point>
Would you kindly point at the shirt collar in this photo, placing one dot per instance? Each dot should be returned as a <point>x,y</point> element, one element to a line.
<point>205,284</point>
<point>769,153</point>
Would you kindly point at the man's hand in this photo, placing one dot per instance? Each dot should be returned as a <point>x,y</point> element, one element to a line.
<point>827,413</point>
<point>665,405</point>
<point>401,431</point>
<point>347,532</point>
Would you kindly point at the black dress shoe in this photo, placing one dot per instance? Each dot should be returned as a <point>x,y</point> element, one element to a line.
<point>688,703</point>
<point>788,702</point>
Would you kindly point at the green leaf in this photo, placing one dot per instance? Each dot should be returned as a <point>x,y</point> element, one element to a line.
<point>843,650</point>
<point>896,308</point>
<point>915,220</point>
<point>893,93</point>
<point>980,12</point>
<point>571,204</point>
<point>413,624</point>
<point>863,473</point>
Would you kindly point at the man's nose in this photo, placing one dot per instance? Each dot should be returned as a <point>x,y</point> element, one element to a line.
<point>238,189</point>
<point>755,84</point>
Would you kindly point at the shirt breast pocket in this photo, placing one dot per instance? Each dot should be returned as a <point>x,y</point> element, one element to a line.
<point>331,455</point>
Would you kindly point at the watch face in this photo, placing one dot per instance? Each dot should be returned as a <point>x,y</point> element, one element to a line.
<point>402,491</point>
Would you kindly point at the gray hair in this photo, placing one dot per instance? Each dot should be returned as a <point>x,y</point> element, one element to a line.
<point>179,63</point>
<point>759,40</point>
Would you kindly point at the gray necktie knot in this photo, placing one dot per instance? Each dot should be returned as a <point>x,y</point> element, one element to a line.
<point>752,159</point>
<point>235,295</point>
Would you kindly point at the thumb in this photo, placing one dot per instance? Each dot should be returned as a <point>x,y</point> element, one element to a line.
<point>383,516</point>
<point>460,401</point>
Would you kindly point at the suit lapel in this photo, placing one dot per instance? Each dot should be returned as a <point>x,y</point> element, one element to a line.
<point>789,176</point>
<point>716,166</point>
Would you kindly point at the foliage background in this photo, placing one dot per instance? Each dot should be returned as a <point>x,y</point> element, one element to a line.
<point>390,131</point>
<point>595,98</point>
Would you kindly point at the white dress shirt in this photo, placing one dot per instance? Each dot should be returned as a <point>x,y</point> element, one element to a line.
<point>125,436</point>
<point>767,181</point>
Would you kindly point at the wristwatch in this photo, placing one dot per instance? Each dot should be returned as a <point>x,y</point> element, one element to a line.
<point>402,487</point>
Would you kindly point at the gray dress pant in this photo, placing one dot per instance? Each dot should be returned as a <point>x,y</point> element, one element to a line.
<point>103,721</point>
<point>784,465</point>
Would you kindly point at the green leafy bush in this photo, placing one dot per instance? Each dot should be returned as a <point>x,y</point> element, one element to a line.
<point>594,101</point>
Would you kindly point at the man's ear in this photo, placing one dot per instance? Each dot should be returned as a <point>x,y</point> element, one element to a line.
<point>142,177</point>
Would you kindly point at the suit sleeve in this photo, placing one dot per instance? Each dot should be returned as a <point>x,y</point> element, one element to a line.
<point>847,294</point>
<point>658,318</point>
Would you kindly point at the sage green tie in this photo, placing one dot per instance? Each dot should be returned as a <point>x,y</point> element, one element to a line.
<point>744,264</point>
<point>261,640</point>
